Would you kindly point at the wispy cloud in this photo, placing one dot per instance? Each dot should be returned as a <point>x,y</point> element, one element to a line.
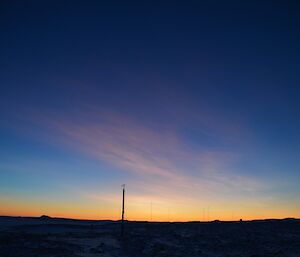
<point>163,163</point>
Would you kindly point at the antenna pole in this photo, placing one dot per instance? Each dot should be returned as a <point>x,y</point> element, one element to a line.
<point>123,207</point>
<point>150,211</point>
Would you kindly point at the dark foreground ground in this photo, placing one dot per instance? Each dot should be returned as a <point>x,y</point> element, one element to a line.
<point>45,237</point>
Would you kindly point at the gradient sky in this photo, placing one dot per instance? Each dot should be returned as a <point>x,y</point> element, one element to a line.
<point>195,107</point>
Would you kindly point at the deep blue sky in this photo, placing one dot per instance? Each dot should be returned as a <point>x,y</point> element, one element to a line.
<point>148,91</point>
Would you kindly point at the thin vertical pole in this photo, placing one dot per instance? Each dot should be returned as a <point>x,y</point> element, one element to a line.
<point>150,211</point>
<point>123,207</point>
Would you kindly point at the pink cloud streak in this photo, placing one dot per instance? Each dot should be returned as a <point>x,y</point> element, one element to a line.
<point>157,156</point>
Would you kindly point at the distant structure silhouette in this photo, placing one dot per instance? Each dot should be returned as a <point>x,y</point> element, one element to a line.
<point>123,209</point>
<point>150,211</point>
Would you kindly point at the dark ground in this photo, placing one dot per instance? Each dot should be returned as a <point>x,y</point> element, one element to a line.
<point>47,237</point>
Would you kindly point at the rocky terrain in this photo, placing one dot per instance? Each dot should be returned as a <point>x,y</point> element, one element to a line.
<point>51,237</point>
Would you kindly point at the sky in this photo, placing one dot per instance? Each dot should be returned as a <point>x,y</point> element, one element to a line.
<point>193,105</point>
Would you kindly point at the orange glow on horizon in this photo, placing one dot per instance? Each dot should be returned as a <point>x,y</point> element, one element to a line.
<point>16,207</point>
